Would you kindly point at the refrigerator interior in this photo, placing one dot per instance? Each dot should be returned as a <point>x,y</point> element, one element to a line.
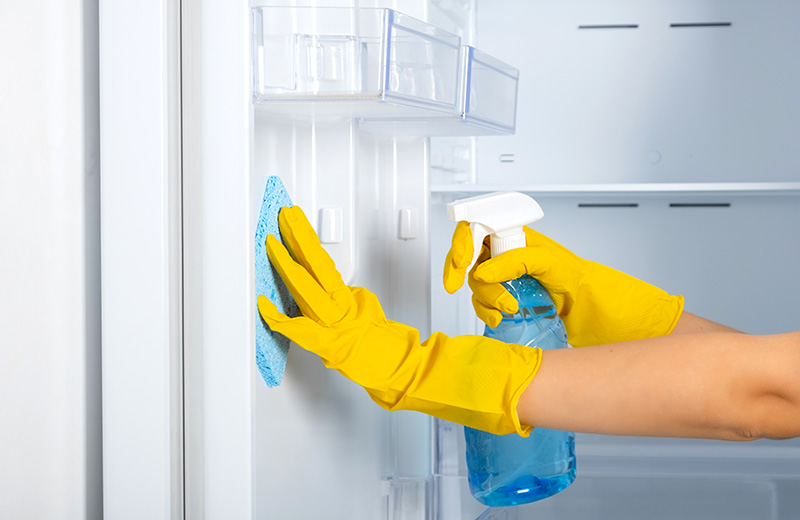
<point>662,150</point>
<point>657,138</point>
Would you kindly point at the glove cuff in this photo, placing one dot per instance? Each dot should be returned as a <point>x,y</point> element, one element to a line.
<point>678,302</point>
<point>522,430</point>
<point>470,380</point>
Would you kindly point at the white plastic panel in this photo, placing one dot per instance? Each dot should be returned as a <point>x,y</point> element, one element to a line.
<point>630,98</point>
<point>360,461</point>
<point>317,159</point>
<point>219,310</point>
<point>322,447</point>
<point>142,324</point>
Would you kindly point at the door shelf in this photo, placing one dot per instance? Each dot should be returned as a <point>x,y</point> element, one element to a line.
<point>352,62</point>
<point>395,74</point>
<point>487,103</point>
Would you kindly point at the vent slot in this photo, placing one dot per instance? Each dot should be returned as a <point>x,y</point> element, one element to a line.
<point>699,204</point>
<point>608,205</point>
<point>700,24</point>
<point>610,26</point>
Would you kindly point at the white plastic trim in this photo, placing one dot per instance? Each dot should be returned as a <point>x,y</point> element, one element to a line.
<point>141,249</point>
<point>218,271</point>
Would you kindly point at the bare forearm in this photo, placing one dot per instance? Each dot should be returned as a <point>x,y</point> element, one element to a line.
<point>691,324</point>
<point>719,385</point>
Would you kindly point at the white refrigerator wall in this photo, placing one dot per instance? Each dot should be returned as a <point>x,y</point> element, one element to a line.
<point>656,91</point>
<point>50,439</point>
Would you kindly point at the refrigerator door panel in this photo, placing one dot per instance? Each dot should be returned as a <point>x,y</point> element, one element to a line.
<point>322,447</point>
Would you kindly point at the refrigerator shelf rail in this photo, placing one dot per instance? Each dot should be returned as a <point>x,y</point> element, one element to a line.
<point>771,188</point>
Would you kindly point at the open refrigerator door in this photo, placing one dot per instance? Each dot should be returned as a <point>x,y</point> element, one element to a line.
<point>342,102</point>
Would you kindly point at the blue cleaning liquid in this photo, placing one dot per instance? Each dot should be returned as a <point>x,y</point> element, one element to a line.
<point>507,470</point>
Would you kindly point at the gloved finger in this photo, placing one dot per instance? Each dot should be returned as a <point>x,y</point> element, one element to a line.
<point>535,239</point>
<point>311,298</point>
<point>458,257</point>
<point>304,244</point>
<point>493,295</point>
<point>535,261</point>
<point>301,330</point>
<point>269,311</point>
<point>489,315</point>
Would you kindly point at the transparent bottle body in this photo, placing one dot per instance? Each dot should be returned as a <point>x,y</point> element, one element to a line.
<point>506,470</point>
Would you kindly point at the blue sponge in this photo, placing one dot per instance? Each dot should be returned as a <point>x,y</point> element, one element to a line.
<point>271,347</point>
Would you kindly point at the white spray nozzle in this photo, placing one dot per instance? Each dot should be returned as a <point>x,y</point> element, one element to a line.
<point>499,215</point>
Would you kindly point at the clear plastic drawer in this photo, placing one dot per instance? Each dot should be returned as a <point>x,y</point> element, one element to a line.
<point>487,102</point>
<point>355,62</point>
<point>490,91</point>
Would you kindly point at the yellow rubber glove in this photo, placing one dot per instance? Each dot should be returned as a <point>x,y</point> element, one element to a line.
<point>597,303</point>
<point>470,380</point>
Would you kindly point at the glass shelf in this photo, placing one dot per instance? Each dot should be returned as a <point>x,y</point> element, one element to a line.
<point>612,188</point>
<point>352,62</point>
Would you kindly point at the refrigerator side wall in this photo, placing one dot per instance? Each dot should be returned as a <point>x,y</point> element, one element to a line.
<point>50,447</point>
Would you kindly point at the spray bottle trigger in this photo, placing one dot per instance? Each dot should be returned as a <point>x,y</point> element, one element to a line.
<point>479,233</point>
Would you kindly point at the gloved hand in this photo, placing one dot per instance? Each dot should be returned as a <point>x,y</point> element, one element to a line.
<point>598,304</point>
<point>470,380</point>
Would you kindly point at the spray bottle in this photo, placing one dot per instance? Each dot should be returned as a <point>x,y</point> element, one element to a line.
<point>506,470</point>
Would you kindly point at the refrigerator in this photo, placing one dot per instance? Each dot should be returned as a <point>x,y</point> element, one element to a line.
<point>659,138</point>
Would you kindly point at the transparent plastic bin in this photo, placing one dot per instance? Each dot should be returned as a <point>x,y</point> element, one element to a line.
<point>487,101</point>
<point>352,62</point>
